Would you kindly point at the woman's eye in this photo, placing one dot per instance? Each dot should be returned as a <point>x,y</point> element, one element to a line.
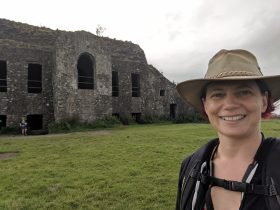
<point>217,95</point>
<point>244,92</point>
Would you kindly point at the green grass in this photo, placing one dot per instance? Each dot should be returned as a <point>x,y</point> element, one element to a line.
<point>134,167</point>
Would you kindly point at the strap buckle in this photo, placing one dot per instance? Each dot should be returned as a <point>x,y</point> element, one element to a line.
<point>236,186</point>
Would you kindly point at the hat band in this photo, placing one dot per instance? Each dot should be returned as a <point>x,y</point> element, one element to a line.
<point>232,74</point>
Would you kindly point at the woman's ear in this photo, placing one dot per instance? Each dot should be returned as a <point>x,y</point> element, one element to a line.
<point>204,114</point>
<point>203,102</point>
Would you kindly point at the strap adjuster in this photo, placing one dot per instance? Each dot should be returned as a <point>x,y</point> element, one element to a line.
<point>236,186</point>
<point>272,190</point>
<point>228,184</point>
<point>268,190</point>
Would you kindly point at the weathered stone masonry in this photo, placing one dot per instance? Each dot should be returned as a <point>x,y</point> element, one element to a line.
<point>58,52</point>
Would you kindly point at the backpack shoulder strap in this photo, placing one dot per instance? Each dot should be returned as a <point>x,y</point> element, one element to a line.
<point>186,186</point>
<point>271,170</point>
<point>190,173</point>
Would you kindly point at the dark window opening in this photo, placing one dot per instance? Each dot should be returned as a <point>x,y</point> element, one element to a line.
<point>173,110</point>
<point>162,92</point>
<point>115,84</point>
<point>85,72</point>
<point>136,117</point>
<point>34,82</point>
<point>135,80</point>
<point>3,76</point>
<point>3,119</point>
<point>35,121</point>
<point>117,115</point>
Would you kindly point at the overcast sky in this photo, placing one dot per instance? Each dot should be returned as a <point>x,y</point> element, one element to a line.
<point>178,37</point>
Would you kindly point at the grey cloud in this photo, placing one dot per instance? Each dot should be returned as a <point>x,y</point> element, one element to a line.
<point>252,25</point>
<point>174,24</point>
<point>179,66</point>
<point>264,41</point>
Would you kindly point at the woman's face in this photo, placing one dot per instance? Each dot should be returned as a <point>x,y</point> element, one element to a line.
<point>234,108</point>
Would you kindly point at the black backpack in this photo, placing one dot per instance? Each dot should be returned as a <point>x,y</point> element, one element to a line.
<point>192,173</point>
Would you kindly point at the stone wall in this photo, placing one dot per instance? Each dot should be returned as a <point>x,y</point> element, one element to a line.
<point>160,104</point>
<point>26,35</point>
<point>70,101</point>
<point>58,53</point>
<point>17,102</point>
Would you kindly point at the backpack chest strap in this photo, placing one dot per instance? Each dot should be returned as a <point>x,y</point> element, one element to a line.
<point>267,190</point>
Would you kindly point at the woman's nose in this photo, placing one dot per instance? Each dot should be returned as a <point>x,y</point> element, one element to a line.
<point>231,101</point>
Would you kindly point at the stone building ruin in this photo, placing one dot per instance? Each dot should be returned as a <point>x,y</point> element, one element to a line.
<point>50,75</point>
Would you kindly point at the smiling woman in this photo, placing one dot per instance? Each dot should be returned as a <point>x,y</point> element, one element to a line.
<point>232,171</point>
<point>234,108</point>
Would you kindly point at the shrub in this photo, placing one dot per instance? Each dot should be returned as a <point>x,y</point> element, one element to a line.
<point>127,119</point>
<point>64,125</point>
<point>191,118</point>
<point>149,119</point>
<point>70,124</point>
<point>9,130</point>
<point>105,122</point>
<point>111,120</point>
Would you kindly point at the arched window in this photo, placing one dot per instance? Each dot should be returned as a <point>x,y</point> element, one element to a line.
<point>85,67</point>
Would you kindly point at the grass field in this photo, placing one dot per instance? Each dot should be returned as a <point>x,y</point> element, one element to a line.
<point>134,167</point>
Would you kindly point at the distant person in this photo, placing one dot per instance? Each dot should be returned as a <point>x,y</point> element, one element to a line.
<point>240,168</point>
<point>23,126</point>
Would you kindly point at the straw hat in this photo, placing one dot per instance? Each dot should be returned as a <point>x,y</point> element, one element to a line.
<point>227,65</point>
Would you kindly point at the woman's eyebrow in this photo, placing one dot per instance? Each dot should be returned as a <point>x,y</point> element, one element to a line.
<point>244,86</point>
<point>215,89</point>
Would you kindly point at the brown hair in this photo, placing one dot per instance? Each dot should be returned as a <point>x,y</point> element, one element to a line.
<point>270,106</point>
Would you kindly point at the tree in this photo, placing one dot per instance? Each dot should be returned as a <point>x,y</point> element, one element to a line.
<point>100,30</point>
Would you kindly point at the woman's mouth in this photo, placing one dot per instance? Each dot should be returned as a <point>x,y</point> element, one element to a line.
<point>233,118</point>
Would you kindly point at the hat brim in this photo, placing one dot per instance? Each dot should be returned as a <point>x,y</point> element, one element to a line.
<point>191,90</point>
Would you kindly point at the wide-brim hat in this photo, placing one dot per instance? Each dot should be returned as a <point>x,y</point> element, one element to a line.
<point>227,65</point>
